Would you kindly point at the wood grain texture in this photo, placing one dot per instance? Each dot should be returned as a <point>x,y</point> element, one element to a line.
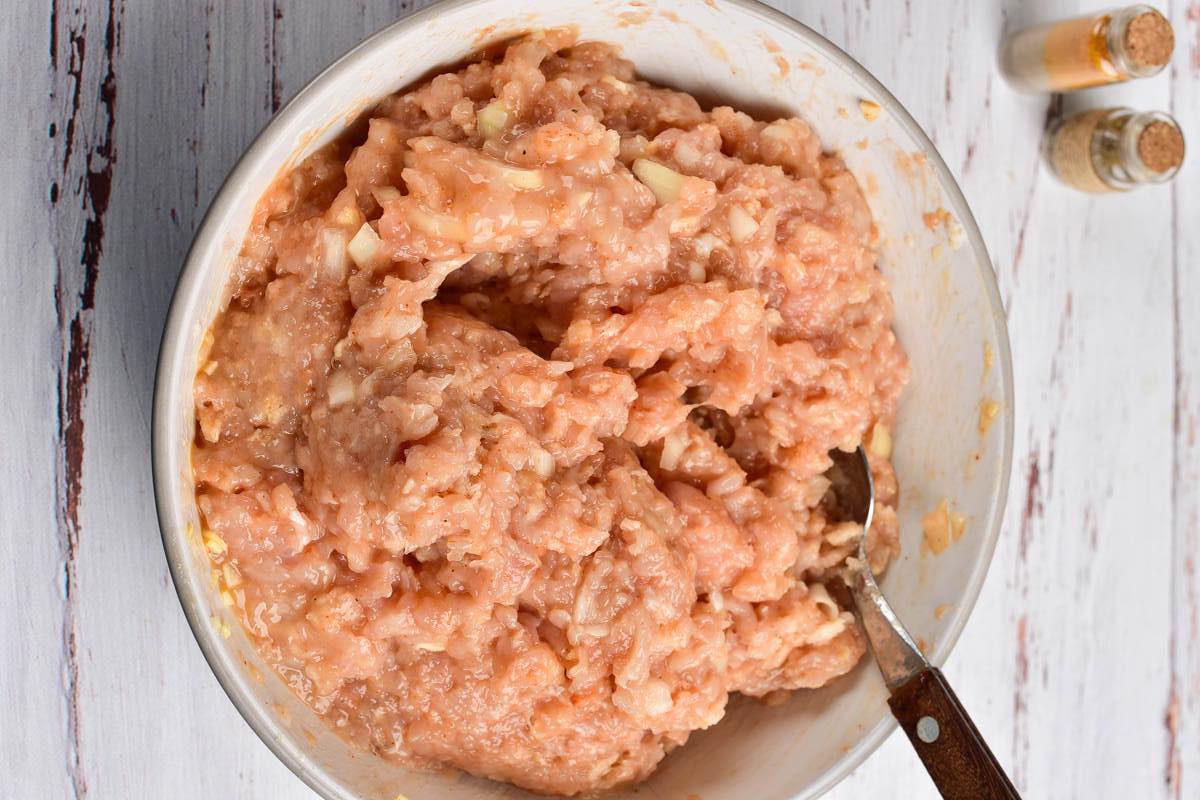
<point>956,756</point>
<point>1182,718</point>
<point>32,555</point>
<point>1081,663</point>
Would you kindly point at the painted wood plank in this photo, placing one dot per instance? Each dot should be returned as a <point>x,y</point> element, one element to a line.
<point>169,98</point>
<point>1182,717</point>
<point>33,542</point>
<point>1086,609</point>
<point>194,85</point>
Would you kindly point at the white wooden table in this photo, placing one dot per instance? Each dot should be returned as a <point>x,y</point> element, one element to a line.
<point>1081,663</point>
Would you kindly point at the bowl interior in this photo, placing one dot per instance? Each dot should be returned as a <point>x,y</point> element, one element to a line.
<point>947,310</point>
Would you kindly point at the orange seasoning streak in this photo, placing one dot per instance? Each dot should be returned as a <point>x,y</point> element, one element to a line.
<point>1075,53</point>
<point>1133,42</point>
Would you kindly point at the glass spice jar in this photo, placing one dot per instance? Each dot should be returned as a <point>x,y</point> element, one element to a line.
<point>1114,149</point>
<point>1132,42</point>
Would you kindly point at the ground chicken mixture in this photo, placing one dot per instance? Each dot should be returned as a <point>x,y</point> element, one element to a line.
<point>510,442</point>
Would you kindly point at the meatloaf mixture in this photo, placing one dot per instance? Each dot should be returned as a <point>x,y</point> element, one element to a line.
<point>510,441</point>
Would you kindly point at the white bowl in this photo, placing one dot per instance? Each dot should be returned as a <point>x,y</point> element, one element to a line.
<point>947,310</point>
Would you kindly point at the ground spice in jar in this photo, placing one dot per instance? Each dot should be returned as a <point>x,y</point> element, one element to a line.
<point>1133,42</point>
<point>1070,152</point>
<point>1114,149</point>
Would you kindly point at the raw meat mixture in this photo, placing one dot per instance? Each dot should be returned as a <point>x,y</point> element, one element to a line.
<point>510,441</point>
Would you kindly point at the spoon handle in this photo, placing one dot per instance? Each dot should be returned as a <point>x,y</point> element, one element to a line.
<point>954,754</point>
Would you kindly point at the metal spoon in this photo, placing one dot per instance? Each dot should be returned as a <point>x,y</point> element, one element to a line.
<point>953,752</point>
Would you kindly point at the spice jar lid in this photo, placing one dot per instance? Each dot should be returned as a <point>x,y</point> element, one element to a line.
<point>1160,146</point>
<point>1149,39</point>
<point>1151,148</point>
<point>1141,40</point>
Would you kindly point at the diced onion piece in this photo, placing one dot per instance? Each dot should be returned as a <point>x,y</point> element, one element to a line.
<point>616,83</point>
<point>443,226</point>
<point>349,216</point>
<point>685,225</point>
<point>716,600</point>
<point>517,177</point>
<point>366,246</point>
<point>656,697</point>
<point>826,631</point>
<point>339,349</point>
<point>492,119</point>
<point>727,483</point>
<point>822,600</point>
<point>210,427</point>
<point>777,130</point>
<point>673,446</point>
<point>843,533</point>
<point>385,194</point>
<point>341,389</point>
<point>663,181</point>
<point>333,253</point>
<point>880,442</point>
<point>543,464</point>
<point>742,224</point>
<point>214,543</point>
<point>206,344</point>
<point>705,243</point>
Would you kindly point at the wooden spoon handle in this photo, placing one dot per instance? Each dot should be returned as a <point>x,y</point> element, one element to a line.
<point>954,754</point>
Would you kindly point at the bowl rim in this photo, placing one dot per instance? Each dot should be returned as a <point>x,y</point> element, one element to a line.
<point>256,715</point>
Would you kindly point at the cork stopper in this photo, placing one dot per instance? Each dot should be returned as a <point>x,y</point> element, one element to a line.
<point>1160,146</point>
<point>1149,40</point>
